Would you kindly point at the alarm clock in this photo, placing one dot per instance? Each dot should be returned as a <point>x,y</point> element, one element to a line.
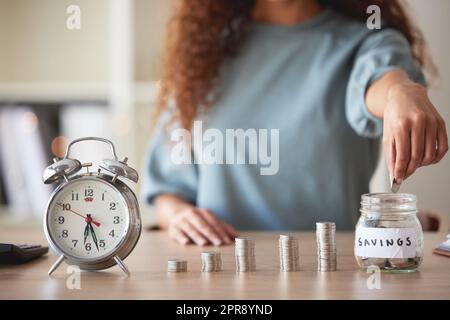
<point>92,219</point>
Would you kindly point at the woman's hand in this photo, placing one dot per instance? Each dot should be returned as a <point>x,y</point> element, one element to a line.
<point>186,223</point>
<point>201,227</point>
<point>414,133</point>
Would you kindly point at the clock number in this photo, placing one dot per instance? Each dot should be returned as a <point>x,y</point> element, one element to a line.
<point>74,196</point>
<point>102,243</point>
<point>74,243</point>
<point>60,219</point>
<point>116,219</point>
<point>111,233</point>
<point>88,193</point>
<point>65,233</point>
<point>103,196</point>
<point>88,246</point>
<point>66,207</point>
<point>112,206</point>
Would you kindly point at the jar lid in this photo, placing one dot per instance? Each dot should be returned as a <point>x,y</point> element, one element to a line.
<point>388,203</point>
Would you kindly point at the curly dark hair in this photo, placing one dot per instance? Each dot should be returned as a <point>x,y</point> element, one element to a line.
<point>201,33</point>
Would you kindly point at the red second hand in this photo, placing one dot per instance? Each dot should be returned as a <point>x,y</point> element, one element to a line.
<point>87,219</point>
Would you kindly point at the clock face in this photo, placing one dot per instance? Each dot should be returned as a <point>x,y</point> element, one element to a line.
<point>87,219</point>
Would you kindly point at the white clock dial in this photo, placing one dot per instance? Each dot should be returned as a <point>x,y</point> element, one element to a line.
<point>88,219</point>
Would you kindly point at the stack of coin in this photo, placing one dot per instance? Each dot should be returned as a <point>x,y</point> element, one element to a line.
<point>289,258</point>
<point>245,254</point>
<point>326,246</point>
<point>211,262</point>
<point>176,265</point>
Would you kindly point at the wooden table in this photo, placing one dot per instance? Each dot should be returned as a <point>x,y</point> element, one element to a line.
<point>149,279</point>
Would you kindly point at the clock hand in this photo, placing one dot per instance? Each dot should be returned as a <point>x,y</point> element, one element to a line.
<point>94,237</point>
<point>87,219</point>
<point>86,232</point>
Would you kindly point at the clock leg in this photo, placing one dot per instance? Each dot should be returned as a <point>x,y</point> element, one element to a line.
<point>56,264</point>
<point>122,265</point>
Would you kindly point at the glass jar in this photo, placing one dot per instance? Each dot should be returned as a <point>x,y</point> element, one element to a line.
<point>388,234</point>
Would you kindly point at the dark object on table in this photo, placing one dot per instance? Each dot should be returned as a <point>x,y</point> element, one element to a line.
<point>16,254</point>
<point>430,220</point>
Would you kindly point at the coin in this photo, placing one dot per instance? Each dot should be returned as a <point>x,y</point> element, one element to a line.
<point>326,246</point>
<point>211,261</point>
<point>176,265</point>
<point>394,186</point>
<point>289,256</point>
<point>245,254</point>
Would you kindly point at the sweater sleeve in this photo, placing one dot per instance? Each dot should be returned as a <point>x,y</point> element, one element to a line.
<point>166,175</point>
<point>380,52</point>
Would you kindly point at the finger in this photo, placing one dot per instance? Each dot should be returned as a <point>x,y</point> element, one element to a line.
<point>442,143</point>
<point>403,154</point>
<point>178,236</point>
<point>230,229</point>
<point>389,149</point>
<point>205,228</point>
<point>216,225</point>
<point>417,148</point>
<point>193,233</point>
<point>430,143</point>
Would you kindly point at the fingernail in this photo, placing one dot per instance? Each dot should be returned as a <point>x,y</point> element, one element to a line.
<point>217,242</point>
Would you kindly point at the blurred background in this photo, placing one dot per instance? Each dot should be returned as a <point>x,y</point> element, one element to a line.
<point>58,84</point>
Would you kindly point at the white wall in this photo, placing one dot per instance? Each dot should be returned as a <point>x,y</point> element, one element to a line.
<point>432,184</point>
<point>149,26</point>
<point>38,47</point>
<point>3,36</point>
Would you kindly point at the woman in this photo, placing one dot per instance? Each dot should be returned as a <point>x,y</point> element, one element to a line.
<point>315,72</point>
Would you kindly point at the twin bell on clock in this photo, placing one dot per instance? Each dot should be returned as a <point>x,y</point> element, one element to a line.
<point>92,219</point>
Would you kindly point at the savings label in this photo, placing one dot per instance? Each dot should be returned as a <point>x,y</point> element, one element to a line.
<point>385,242</point>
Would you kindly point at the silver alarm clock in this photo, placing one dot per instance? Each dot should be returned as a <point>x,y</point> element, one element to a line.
<point>92,218</point>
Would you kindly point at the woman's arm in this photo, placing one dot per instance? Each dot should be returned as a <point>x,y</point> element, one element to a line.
<point>414,133</point>
<point>187,223</point>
